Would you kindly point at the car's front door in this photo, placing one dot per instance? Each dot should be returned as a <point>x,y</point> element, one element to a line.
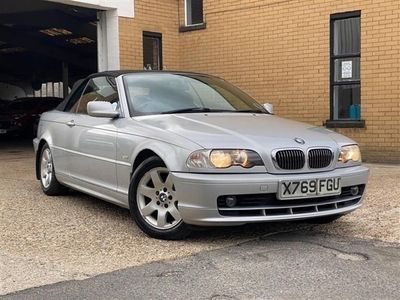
<point>61,132</point>
<point>93,149</point>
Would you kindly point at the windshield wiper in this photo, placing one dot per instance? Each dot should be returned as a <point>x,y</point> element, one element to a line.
<point>195,109</point>
<point>257,111</point>
<point>206,109</point>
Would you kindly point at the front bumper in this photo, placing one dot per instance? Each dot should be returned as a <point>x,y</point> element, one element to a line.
<point>10,130</point>
<point>198,196</point>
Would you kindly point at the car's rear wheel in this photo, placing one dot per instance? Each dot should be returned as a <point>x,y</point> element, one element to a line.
<point>153,202</point>
<point>48,180</point>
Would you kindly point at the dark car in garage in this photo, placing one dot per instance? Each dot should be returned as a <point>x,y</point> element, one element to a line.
<point>3,104</point>
<point>20,116</point>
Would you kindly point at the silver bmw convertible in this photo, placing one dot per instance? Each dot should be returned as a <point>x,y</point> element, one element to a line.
<point>182,149</point>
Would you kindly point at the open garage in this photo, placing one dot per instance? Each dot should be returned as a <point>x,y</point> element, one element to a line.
<point>44,48</point>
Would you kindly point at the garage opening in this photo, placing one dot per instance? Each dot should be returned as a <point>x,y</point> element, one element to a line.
<point>44,48</point>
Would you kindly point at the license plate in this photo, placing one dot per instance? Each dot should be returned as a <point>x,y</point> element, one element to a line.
<point>295,189</point>
<point>3,131</point>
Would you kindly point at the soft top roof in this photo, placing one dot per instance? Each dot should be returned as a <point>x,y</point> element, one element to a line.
<point>117,73</point>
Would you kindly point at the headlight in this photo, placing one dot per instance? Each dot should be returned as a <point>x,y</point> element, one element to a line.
<point>350,154</point>
<point>223,158</point>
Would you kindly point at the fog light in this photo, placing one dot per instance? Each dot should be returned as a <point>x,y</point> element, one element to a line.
<point>354,190</point>
<point>231,201</point>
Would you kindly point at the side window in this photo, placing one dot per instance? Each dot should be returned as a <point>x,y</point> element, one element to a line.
<point>193,12</point>
<point>74,100</point>
<point>99,89</point>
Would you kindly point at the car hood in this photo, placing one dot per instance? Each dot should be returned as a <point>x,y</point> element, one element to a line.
<point>260,132</point>
<point>9,113</point>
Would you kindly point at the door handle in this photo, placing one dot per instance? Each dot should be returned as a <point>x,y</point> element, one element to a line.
<point>71,123</point>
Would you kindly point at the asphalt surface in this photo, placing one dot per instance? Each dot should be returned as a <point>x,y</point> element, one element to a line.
<point>295,265</point>
<point>45,240</point>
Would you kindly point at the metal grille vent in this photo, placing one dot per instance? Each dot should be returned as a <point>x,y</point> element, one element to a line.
<point>290,159</point>
<point>319,158</point>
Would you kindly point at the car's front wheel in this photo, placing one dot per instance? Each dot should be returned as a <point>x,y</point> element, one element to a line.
<point>153,202</point>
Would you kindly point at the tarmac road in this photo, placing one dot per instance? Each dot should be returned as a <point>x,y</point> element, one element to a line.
<point>294,265</point>
<point>46,240</point>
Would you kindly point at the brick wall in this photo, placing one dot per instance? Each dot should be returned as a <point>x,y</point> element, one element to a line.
<point>153,16</point>
<point>278,51</point>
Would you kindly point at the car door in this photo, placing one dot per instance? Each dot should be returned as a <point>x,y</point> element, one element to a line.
<point>61,131</point>
<point>93,145</point>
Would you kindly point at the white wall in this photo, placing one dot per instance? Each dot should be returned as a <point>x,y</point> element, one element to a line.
<point>125,8</point>
<point>108,41</point>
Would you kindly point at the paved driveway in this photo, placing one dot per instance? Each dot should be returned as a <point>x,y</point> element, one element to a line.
<point>44,240</point>
<point>295,265</point>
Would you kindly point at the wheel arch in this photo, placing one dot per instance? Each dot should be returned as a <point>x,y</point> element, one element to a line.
<point>141,157</point>
<point>173,157</point>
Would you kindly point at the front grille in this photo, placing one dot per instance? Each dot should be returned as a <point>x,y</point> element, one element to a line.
<point>290,159</point>
<point>268,205</point>
<point>319,158</point>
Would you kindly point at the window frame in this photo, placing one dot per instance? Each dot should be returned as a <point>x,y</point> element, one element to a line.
<point>154,35</point>
<point>332,122</point>
<point>80,98</point>
<point>186,16</point>
<point>75,92</point>
<point>84,89</point>
<point>134,113</point>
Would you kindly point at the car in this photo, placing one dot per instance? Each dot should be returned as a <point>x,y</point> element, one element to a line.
<point>20,116</point>
<point>3,103</point>
<point>182,150</point>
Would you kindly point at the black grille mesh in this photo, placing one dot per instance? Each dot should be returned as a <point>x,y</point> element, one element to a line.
<point>290,159</point>
<point>319,158</point>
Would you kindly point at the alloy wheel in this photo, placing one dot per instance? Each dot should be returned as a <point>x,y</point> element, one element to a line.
<point>156,199</point>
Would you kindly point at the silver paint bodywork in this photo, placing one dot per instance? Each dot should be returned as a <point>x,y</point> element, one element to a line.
<point>96,155</point>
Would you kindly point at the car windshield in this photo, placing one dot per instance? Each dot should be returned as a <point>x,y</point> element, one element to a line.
<point>26,104</point>
<point>157,93</point>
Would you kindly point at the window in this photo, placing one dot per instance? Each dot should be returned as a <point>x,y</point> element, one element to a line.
<point>25,104</point>
<point>161,93</point>
<point>50,89</point>
<point>345,69</point>
<point>98,89</point>
<point>193,12</point>
<point>74,98</point>
<point>152,51</point>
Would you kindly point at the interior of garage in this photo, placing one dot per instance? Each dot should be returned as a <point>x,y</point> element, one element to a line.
<point>44,48</point>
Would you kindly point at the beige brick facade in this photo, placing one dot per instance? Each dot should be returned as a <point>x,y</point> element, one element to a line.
<point>152,16</point>
<point>278,51</point>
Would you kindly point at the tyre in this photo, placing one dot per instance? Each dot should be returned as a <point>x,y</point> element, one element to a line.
<point>153,203</point>
<point>324,220</point>
<point>48,180</point>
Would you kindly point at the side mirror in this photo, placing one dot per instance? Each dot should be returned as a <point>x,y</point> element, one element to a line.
<point>269,108</point>
<point>101,109</point>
